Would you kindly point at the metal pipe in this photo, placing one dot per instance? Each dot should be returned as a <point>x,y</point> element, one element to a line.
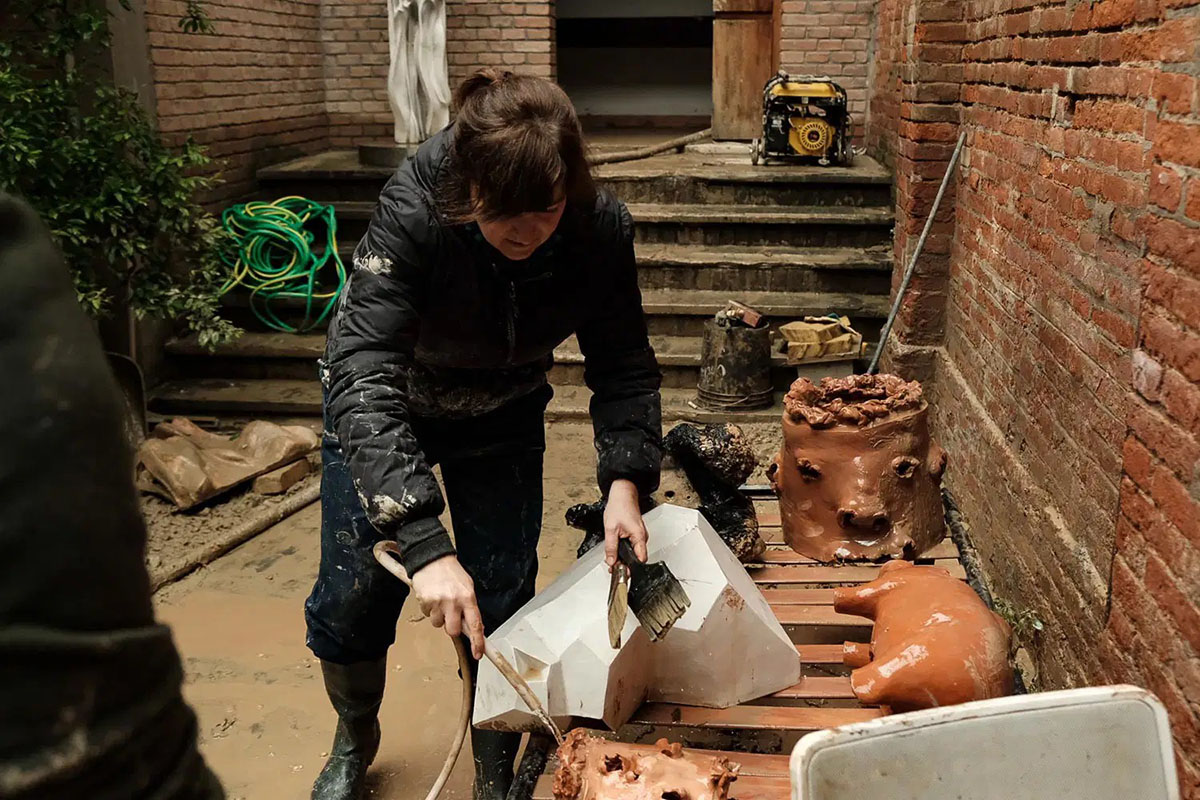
<point>912,264</point>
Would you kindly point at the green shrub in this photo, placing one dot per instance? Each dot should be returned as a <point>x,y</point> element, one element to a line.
<point>121,204</point>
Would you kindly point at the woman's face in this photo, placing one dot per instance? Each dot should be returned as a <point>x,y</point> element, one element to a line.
<point>517,237</point>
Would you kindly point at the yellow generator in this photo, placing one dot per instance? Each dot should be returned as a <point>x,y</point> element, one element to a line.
<point>804,119</point>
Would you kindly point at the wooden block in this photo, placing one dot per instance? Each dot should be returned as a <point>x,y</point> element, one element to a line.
<point>280,480</point>
<point>798,616</point>
<point>753,718</point>
<point>779,554</point>
<point>818,687</point>
<point>820,654</point>
<point>798,597</point>
<point>813,574</point>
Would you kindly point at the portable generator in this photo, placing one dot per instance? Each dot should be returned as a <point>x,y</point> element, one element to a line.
<point>804,119</point>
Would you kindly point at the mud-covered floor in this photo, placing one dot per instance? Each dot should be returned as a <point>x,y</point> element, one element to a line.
<point>264,720</point>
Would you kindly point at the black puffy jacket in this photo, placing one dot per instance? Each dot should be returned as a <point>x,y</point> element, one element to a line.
<point>434,322</point>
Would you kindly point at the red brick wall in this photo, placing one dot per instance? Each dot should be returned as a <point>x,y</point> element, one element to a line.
<point>515,36</point>
<point>887,53</point>
<point>252,93</point>
<point>1067,365</point>
<point>829,37</point>
<point>354,39</point>
<point>280,78</point>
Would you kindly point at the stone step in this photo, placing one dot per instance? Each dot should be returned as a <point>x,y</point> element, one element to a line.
<point>717,224</point>
<point>794,226</point>
<point>257,355</point>
<point>687,178</point>
<point>267,398</point>
<point>866,270</point>
<point>674,312</point>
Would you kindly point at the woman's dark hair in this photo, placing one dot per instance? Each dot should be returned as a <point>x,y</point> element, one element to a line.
<point>516,141</point>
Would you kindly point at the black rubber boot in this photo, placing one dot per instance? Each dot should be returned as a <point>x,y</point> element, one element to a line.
<point>495,752</point>
<point>355,690</point>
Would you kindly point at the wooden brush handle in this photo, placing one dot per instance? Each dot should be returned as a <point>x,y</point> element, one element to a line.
<point>629,558</point>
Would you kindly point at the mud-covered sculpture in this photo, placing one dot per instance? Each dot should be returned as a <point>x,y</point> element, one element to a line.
<point>591,768</point>
<point>704,467</point>
<point>858,476</point>
<point>935,642</point>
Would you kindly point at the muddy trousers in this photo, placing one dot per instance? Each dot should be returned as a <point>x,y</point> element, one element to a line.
<point>492,475</point>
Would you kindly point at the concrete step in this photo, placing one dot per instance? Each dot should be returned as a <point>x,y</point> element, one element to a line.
<point>756,226</point>
<point>678,358</point>
<point>287,356</point>
<point>718,224</point>
<point>267,398</point>
<point>686,178</point>
<point>866,270</point>
<point>676,312</point>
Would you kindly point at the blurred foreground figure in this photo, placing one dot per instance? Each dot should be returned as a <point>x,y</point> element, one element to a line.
<point>90,704</point>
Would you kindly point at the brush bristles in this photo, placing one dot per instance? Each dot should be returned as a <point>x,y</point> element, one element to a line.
<point>660,614</point>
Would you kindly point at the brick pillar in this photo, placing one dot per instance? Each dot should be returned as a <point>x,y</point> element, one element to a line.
<point>929,111</point>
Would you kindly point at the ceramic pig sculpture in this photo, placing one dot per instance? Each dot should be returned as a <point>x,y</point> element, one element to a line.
<point>935,642</point>
<point>858,476</point>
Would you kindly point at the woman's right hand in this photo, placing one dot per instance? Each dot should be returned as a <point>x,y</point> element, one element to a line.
<point>447,594</point>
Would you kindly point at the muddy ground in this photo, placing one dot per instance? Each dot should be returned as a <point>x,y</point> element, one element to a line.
<point>265,724</point>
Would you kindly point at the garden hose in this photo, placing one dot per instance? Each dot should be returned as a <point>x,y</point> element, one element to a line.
<point>275,260</point>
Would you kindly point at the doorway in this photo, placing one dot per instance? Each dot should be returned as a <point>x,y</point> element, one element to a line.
<point>637,68</point>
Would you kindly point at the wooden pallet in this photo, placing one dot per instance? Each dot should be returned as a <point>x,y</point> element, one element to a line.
<point>800,592</point>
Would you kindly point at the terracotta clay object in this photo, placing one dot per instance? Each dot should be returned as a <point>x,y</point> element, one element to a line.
<point>935,642</point>
<point>592,768</point>
<point>858,476</point>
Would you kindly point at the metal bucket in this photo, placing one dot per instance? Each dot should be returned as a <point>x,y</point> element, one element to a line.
<point>735,368</point>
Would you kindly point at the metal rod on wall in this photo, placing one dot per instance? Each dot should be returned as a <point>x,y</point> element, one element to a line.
<point>912,264</point>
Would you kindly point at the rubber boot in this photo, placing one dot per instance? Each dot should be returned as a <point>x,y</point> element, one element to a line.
<point>495,752</point>
<point>355,690</point>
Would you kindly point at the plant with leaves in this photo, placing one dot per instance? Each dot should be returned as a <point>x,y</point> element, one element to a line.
<point>121,204</point>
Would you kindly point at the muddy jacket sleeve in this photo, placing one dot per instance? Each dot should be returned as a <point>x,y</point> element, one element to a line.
<point>622,372</point>
<point>367,361</point>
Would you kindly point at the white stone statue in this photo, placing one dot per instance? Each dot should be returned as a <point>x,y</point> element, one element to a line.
<point>418,83</point>
<point>727,648</point>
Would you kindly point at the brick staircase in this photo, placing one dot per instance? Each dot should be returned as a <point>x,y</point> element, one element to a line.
<point>789,241</point>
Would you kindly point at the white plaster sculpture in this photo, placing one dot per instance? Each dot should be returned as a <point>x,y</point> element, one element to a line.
<point>727,648</point>
<point>418,85</point>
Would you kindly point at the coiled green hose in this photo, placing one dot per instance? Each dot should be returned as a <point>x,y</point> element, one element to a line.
<point>274,258</point>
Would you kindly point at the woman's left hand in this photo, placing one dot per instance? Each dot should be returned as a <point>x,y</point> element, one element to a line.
<point>623,520</point>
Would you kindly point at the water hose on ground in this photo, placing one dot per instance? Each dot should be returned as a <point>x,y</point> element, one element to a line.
<point>387,553</point>
<point>274,258</point>
<point>651,150</point>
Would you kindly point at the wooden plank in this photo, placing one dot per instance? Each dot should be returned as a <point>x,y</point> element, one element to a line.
<point>752,718</point>
<point>798,597</point>
<point>820,654</point>
<point>746,787</point>
<point>743,6</point>
<point>743,50</point>
<point>818,617</point>
<point>817,687</point>
<point>780,553</point>
<point>801,574</point>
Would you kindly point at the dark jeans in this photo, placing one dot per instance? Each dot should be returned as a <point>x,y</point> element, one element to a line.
<point>492,476</point>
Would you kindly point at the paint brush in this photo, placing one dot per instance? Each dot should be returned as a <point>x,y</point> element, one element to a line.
<point>656,597</point>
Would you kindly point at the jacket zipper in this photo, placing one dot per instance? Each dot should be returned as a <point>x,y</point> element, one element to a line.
<point>512,321</point>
